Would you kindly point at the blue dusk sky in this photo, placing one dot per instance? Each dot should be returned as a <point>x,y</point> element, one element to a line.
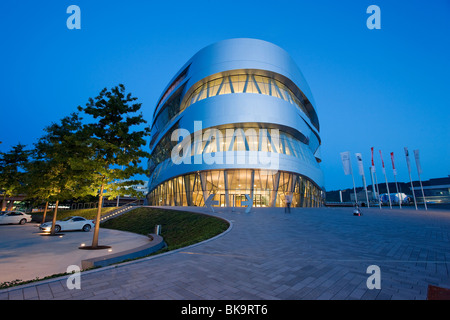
<point>386,88</point>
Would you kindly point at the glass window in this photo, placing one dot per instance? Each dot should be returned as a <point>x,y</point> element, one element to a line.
<point>238,139</point>
<point>266,188</point>
<point>237,83</point>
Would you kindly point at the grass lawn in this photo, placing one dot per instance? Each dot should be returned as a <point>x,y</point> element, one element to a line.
<point>178,228</point>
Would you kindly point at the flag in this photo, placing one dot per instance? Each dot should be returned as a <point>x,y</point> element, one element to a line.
<point>372,168</point>
<point>407,160</point>
<point>345,157</point>
<point>416,155</point>
<point>360,164</point>
<point>371,149</point>
<point>382,162</point>
<point>393,165</point>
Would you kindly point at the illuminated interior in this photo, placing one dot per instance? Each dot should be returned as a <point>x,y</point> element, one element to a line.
<point>266,188</point>
<point>245,83</point>
<point>242,139</point>
<point>235,83</point>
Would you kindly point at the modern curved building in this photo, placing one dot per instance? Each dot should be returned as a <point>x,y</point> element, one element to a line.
<point>237,119</point>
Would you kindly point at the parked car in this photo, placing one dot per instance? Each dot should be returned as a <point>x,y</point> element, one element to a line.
<point>16,217</point>
<point>69,223</point>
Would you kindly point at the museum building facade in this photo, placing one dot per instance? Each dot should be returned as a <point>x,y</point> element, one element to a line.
<point>237,119</point>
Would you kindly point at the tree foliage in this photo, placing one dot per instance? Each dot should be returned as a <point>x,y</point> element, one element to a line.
<point>75,159</point>
<point>115,142</point>
<point>13,170</point>
<point>117,148</point>
<point>60,161</point>
<point>60,167</point>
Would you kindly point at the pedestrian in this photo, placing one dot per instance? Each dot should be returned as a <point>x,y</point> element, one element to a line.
<point>357,212</point>
<point>288,201</point>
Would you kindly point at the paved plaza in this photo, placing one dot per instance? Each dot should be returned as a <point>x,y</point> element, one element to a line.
<point>310,253</point>
<point>27,253</point>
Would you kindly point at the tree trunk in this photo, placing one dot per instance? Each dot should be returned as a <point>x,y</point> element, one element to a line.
<point>97,220</point>
<point>4,202</point>
<point>45,211</point>
<point>52,231</point>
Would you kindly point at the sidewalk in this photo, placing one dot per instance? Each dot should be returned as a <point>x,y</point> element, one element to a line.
<point>26,253</point>
<point>311,253</point>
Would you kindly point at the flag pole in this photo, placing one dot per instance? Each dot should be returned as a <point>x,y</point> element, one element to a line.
<point>412,189</point>
<point>398,193</point>
<point>346,164</point>
<point>410,179</point>
<point>374,194</point>
<point>423,195</point>
<point>365,188</point>
<point>361,172</point>
<point>376,180</point>
<point>419,171</point>
<point>354,188</point>
<point>378,187</point>
<point>395,179</point>
<point>385,179</point>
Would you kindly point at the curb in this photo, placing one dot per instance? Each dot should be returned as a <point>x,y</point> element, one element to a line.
<point>100,269</point>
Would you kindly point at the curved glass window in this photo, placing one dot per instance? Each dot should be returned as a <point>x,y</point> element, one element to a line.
<point>247,83</point>
<point>177,81</point>
<point>168,111</point>
<point>229,187</point>
<point>237,139</point>
<point>239,83</point>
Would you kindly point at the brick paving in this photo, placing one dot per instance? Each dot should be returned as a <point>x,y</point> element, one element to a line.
<point>309,254</point>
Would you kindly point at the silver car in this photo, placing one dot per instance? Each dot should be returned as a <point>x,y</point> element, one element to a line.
<point>14,217</point>
<point>69,223</point>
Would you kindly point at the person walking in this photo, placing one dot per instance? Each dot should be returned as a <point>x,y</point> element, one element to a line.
<point>288,201</point>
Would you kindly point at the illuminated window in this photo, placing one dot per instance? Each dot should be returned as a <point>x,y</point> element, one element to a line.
<point>238,139</point>
<point>246,83</point>
<point>230,187</point>
<point>238,83</point>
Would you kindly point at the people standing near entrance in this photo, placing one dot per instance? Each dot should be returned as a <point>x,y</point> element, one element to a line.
<point>288,201</point>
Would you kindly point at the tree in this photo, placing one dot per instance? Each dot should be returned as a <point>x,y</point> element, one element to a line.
<point>12,171</point>
<point>59,169</point>
<point>39,187</point>
<point>114,144</point>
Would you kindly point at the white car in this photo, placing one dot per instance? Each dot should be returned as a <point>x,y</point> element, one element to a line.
<point>14,217</point>
<point>69,223</point>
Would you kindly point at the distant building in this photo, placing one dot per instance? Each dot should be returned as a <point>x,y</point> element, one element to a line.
<point>142,188</point>
<point>435,190</point>
<point>128,198</point>
<point>362,198</point>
